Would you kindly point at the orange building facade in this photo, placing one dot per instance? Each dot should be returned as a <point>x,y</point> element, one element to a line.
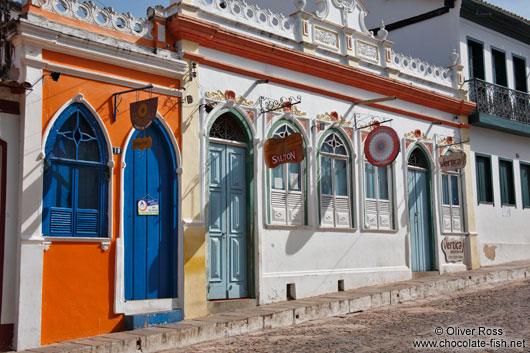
<point>79,151</point>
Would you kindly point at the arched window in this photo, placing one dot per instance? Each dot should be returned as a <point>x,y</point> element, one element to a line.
<point>451,201</point>
<point>335,201</point>
<point>76,176</point>
<point>286,187</point>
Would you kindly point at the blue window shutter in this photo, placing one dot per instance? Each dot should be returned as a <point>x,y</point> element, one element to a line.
<point>87,222</point>
<point>61,222</point>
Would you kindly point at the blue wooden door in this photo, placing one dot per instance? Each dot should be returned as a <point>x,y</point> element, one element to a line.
<point>150,240</point>
<point>421,238</point>
<point>227,265</point>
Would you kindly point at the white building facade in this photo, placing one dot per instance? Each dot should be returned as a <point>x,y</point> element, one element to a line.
<point>494,47</point>
<point>332,222</point>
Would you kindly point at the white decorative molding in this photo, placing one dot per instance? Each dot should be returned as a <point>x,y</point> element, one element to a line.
<point>107,17</point>
<point>252,15</point>
<point>322,10</point>
<point>421,69</point>
<point>105,245</point>
<point>347,5</point>
<point>367,50</point>
<point>326,37</point>
<point>46,245</point>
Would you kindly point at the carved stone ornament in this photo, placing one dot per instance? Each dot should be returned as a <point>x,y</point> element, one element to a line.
<point>382,33</point>
<point>348,5</point>
<point>367,50</point>
<point>333,117</point>
<point>326,37</point>
<point>300,4</point>
<point>417,135</point>
<point>448,140</point>
<point>222,96</point>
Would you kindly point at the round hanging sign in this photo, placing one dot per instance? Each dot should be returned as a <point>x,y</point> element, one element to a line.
<point>381,146</point>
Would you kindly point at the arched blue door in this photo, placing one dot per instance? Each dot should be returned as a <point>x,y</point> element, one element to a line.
<point>150,238</point>
<point>420,216</point>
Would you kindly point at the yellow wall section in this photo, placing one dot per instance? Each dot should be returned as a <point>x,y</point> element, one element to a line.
<point>194,236</point>
<point>474,256</point>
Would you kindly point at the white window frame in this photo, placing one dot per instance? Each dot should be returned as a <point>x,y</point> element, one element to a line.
<point>286,207</point>
<point>378,213</point>
<point>334,218</point>
<point>452,215</point>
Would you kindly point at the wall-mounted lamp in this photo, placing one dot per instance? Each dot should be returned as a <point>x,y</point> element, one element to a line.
<point>54,75</point>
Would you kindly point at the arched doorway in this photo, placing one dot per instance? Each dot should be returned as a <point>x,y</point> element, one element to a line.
<point>150,234</point>
<point>420,212</point>
<point>230,172</point>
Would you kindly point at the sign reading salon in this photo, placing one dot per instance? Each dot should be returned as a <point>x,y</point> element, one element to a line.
<point>289,149</point>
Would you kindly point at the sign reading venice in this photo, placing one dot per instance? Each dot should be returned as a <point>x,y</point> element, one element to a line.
<point>289,149</point>
<point>455,160</point>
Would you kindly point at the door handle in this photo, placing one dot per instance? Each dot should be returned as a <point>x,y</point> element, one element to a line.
<point>223,234</point>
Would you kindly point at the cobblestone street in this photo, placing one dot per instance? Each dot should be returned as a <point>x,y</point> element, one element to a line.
<point>490,317</point>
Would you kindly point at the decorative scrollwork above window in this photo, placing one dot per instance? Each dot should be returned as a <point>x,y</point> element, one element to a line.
<point>227,128</point>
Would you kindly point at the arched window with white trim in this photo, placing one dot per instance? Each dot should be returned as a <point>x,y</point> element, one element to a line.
<point>335,182</point>
<point>286,186</point>
<point>75,193</point>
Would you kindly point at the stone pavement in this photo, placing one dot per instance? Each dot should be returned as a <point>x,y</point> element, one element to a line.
<point>486,319</point>
<point>289,313</point>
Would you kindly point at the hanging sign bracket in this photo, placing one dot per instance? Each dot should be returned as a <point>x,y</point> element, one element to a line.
<point>115,96</point>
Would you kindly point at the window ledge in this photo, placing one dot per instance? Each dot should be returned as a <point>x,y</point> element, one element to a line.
<point>334,229</point>
<point>486,203</point>
<point>105,242</point>
<point>285,226</point>
<point>456,234</point>
<point>509,205</point>
<point>370,230</point>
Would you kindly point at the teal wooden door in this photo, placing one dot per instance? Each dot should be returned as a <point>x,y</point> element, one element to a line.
<point>227,265</point>
<point>421,239</point>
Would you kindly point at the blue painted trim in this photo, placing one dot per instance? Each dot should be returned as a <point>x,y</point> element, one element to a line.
<point>135,322</point>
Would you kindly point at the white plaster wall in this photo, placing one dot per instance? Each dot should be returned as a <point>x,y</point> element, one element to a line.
<point>9,132</point>
<point>492,39</point>
<point>507,228</point>
<point>432,40</point>
<point>312,258</point>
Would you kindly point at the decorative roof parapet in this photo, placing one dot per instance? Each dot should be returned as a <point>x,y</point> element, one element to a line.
<point>106,17</point>
<point>421,69</point>
<point>252,15</point>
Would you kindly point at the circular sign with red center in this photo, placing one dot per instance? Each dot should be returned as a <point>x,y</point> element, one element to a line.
<point>381,146</point>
